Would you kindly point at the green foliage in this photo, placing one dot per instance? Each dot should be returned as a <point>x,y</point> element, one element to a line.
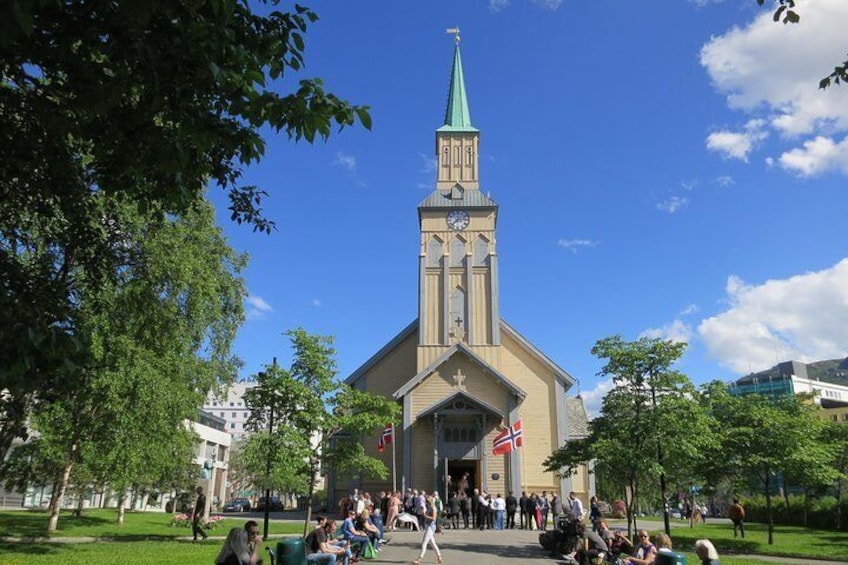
<point>115,104</point>
<point>316,420</point>
<point>650,425</point>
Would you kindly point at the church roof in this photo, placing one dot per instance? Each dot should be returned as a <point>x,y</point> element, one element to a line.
<point>457,116</point>
<point>457,198</point>
<point>560,373</point>
<point>578,421</point>
<point>453,350</point>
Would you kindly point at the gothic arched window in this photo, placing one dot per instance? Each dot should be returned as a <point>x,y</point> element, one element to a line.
<point>457,252</point>
<point>481,251</point>
<point>434,252</point>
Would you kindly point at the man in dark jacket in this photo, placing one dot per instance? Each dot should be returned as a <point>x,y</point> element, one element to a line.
<point>522,504</point>
<point>198,514</point>
<point>511,505</point>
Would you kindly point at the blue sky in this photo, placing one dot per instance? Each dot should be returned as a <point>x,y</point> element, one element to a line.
<point>664,168</point>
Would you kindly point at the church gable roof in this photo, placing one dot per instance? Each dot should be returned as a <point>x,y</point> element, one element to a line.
<point>578,421</point>
<point>458,349</point>
<point>444,405</point>
<point>385,350</point>
<point>558,371</point>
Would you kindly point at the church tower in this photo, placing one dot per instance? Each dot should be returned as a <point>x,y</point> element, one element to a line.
<point>458,270</point>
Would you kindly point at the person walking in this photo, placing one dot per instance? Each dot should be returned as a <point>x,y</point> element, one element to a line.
<point>736,513</point>
<point>429,531</point>
<point>198,514</point>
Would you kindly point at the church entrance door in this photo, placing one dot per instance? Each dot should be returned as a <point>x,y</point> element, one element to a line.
<point>457,468</point>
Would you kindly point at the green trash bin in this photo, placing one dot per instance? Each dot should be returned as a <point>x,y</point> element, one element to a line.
<point>291,551</point>
<point>670,558</point>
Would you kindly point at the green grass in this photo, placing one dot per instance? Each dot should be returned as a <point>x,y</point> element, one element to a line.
<point>789,541</point>
<point>100,523</point>
<point>111,553</point>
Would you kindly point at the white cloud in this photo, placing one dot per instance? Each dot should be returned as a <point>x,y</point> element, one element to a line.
<point>593,399</point>
<point>800,318</point>
<point>552,5</point>
<point>771,71</point>
<point>739,144</point>
<point>257,307</point>
<point>496,6</point>
<point>316,302</point>
<point>817,156</point>
<point>574,245</point>
<point>677,331</point>
<point>689,310</point>
<point>345,161</point>
<point>725,181</point>
<point>672,204</point>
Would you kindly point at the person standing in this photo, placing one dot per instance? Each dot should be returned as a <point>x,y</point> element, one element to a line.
<point>198,514</point>
<point>594,512</point>
<point>482,510</point>
<point>499,506</point>
<point>475,507</point>
<point>511,505</point>
<point>736,513</point>
<point>464,508</point>
<point>394,510</point>
<point>522,508</point>
<point>544,508</point>
<point>576,507</point>
<point>429,531</point>
<point>453,510</point>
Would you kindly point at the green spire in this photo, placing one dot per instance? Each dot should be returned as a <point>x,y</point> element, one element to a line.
<point>457,116</point>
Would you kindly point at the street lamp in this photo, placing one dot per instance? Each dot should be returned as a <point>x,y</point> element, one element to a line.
<point>271,453</point>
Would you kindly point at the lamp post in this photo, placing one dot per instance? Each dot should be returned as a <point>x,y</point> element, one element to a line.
<point>271,452</point>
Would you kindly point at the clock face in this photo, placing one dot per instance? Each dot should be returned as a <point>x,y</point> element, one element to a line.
<point>458,220</point>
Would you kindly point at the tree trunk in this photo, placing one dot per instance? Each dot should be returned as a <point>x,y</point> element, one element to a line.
<point>769,514</point>
<point>806,506</point>
<point>309,501</point>
<point>59,488</point>
<point>78,511</point>
<point>838,504</point>
<point>121,501</point>
<point>785,493</point>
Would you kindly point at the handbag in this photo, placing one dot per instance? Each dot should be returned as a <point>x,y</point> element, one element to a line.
<point>368,552</point>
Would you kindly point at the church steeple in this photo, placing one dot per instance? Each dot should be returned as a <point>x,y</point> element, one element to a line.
<point>457,116</point>
<point>457,140</point>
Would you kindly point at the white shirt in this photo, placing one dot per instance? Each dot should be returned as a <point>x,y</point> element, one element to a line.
<point>499,504</point>
<point>576,509</point>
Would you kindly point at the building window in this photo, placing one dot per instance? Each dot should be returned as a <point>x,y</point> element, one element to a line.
<point>457,314</point>
<point>481,252</point>
<point>434,252</point>
<point>232,404</point>
<point>469,156</point>
<point>232,426</point>
<point>234,414</point>
<point>457,156</point>
<point>457,252</point>
<point>460,435</point>
<point>833,418</point>
<point>845,417</point>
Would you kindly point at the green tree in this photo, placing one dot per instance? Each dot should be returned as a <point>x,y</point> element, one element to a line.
<point>763,436</point>
<point>146,103</point>
<point>160,339</point>
<point>644,426</point>
<point>320,420</point>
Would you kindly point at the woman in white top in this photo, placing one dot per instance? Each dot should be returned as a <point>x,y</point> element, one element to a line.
<point>429,531</point>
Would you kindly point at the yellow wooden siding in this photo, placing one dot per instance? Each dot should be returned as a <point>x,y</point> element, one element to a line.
<point>538,411</point>
<point>433,317</point>
<point>481,328</point>
<point>495,464</point>
<point>478,384</point>
<point>423,475</point>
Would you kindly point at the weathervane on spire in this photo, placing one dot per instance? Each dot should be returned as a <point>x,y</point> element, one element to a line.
<point>455,32</point>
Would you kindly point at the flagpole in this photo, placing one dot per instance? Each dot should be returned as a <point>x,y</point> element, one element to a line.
<point>394,465</point>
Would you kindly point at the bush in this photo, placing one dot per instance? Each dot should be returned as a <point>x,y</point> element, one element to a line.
<point>821,512</point>
<point>184,521</point>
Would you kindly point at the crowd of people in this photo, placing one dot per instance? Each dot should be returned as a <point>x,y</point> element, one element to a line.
<point>365,518</point>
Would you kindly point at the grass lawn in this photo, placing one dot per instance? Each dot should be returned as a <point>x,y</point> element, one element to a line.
<point>100,523</point>
<point>789,541</point>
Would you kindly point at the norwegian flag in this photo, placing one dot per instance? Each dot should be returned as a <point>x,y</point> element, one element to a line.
<point>385,437</point>
<point>509,439</point>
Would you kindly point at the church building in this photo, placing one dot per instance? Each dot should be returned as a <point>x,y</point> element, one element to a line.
<point>462,374</point>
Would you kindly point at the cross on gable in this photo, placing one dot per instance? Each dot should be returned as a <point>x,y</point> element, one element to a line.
<point>459,380</point>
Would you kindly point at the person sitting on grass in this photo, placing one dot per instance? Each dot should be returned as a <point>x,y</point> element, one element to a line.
<point>706,552</point>
<point>645,553</point>
<point>590,546</point>
<point>235,550</point>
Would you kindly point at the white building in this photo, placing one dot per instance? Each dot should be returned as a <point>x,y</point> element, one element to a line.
<point>230,406</point>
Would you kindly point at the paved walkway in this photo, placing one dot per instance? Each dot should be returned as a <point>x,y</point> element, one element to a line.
<point>462,547</point>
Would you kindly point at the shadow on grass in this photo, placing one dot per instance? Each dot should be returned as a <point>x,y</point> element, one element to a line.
<point>33,549</point>
<point>33,524</point>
